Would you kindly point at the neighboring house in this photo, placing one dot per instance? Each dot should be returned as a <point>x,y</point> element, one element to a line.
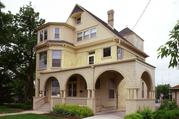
<point>86,61</point>
<point>175,94</point>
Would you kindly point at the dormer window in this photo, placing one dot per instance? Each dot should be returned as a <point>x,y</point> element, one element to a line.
<point>86,34</point>
<point>45,35</point>
<point>78,20</point>
<point>93,32</point>
<point>57,33</point>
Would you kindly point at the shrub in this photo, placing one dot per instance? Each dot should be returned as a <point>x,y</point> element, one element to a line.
<point>146,114</point>
<point>133,116</point>
<point>166,114</point>
<point>72,110</point>
<point>168,105</point>
<point>24,106</point>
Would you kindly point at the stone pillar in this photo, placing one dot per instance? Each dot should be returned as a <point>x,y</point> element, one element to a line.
<point>63,96</point>
<point>91,100</point>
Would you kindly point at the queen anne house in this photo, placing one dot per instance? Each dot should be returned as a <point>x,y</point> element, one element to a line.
<point>86,61</point>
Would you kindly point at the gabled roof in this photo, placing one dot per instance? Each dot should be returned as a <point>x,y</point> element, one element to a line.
<point>113,30</point>
<point>175,87</point>
<point>127,31</point>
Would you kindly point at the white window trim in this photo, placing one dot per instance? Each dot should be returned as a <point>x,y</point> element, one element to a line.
<point>88,30</point>
<point>54,33</point>
<point>90,56</point>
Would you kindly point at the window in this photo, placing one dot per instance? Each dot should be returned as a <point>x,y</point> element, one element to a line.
<point>119,53</point>
<point>56,33</point>
<point>72,87</point>
<point>79,36</point>
<point>91,57</point>
<point>142,89</point>
<point>55,87</point>
<point>41,35</point>
<point>86,34</point>
<point>107,52</point>
<point>45,34</point>
<point>43,60</point>
<point>56,58</point>
<point>111,88</point>
<point>78,20</point>
<point>93,32</point>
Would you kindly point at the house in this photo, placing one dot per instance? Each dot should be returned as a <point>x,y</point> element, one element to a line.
<point>175,94</point>
<point>86,61</point>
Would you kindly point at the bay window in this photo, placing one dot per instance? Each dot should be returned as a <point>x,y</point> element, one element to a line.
<point>56,58</point>
<point>43,60</point>
<point>45,35</point>
<point>56,33</point>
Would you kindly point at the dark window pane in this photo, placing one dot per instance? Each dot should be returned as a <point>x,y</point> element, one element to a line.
<point>78,20</point>
<point>91,59</point>
<point>45,35</point>
<point>43,60</point>
<point>107,52</point>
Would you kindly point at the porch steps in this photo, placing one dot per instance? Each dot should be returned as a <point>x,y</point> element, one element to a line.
<point>44,108</point>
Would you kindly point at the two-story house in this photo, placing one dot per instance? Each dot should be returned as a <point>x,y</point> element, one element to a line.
<point>86,61</point>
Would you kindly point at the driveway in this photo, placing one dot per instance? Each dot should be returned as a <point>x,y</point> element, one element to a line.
<point>110,115</point>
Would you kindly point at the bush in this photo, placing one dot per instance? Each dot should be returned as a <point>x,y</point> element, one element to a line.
<point>146,114</point>
<point>23,106</point>
<point>133,116</point>
<point>166,114</point>
<point>72,110</point>
<point>168,105</point>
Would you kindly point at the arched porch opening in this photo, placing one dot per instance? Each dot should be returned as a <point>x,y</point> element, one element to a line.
<point>52,88</point>
<point>106,90</point>
<point>76,90</point>
<point>146,85</point>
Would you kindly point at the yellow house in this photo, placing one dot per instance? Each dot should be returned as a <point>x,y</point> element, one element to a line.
<point>86,61</point>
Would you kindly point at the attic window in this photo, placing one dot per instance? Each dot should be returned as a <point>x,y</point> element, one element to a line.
<point>78,20</point>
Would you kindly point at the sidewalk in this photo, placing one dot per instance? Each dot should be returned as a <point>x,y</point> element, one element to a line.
<point>111,115</point>
<point>24,112</point>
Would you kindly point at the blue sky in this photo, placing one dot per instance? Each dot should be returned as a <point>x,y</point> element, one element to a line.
<point>159,18</point>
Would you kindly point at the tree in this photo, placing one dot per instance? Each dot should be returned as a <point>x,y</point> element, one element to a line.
<point>17,55</point>
<point>164,90</point>
<point>171,47</point>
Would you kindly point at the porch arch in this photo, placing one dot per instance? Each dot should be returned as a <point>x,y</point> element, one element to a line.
<point>76,86</point>
<point>107,90</point>
<point>51,87</point>
<point>147,84</point>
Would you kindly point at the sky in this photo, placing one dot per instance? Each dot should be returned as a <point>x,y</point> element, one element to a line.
<point>154,26</point>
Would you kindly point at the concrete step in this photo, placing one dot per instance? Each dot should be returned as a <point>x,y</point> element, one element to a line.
<point>44,108</point>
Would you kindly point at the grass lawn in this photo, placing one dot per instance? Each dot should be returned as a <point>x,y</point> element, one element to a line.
<point>31,116</point>
<point>5,109</point>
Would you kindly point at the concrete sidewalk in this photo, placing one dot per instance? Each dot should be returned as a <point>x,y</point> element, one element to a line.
<point>110,115</point>
<point>24,112</point>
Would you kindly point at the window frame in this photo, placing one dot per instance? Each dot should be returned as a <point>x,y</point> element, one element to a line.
<point>55,33</point>
<point>104,52</point>
<point>41,35</point>
<point>60,58</point>
<point>78,20</point>
<point>121,53</point>
<point>92,33</point>
<point>81,36</point>
<point>86,34</point>
<point>40,60</point>
<point>45,34</point>
<point>91,55</point>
